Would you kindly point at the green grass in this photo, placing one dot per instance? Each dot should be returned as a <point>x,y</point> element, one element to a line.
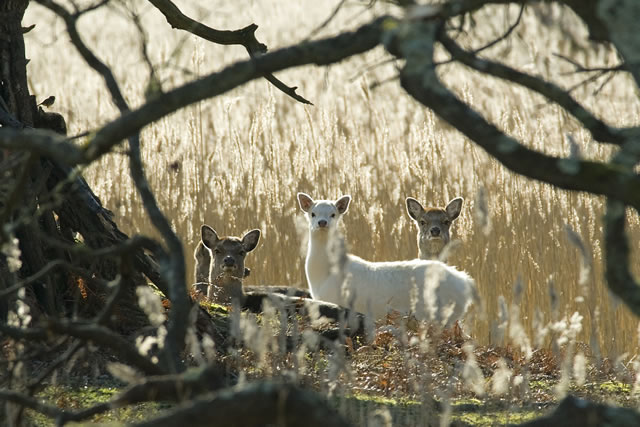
<point>74,398</point>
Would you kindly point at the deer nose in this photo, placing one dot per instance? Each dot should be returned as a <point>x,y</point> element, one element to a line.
<point>322,223</point>
<point>229,261</point>
<point>435,231</point>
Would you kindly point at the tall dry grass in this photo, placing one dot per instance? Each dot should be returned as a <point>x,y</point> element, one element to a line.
<point>237,161</point>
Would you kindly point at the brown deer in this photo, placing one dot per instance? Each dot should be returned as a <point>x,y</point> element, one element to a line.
<point>220,266</point>
<point>433,225</point>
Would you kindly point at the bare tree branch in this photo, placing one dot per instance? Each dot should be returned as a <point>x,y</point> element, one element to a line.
<point>503,36</point>
<point>245,36</point>
<point>176,271</point>
<point>50,266</point>
<point>616,241</point>
<point>418,77</point>
<point>599,130</point>
<point>621,20</point>
<point>30,402</point>
<point>44,142</point>
<point>86,332</point>
<point>86,53</point>
<point>619,277</point>
<point>270,403</point>
<point>321,52</point>
<point>107,338</point>
<point>495,41</point>
<point>172,388</point>
<point>169,388</point>
<point>37,381</point>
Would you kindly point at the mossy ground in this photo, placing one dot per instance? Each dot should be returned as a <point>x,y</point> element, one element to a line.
<point>383,376</point>
<point>75,397</point>
<point>463,411</point>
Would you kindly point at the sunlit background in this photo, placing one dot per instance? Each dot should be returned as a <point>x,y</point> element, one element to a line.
<point>237,161</point>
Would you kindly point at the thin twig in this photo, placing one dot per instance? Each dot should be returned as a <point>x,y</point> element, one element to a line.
<point>371,67</point>
<point>579,68</point>
<point>51,265</point>
<point>505,35</point>
<point>36,382</point>
<point>493,42</point>
<point>376,85</point>
<point>326,22</point>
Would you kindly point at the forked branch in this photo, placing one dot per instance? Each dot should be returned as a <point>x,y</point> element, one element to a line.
<point>419,79</point>
<point>176,271</point>
<point>245,37</point>
<point>599,130</point>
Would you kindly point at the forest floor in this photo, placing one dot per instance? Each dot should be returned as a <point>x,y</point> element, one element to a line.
<point>393,375</point>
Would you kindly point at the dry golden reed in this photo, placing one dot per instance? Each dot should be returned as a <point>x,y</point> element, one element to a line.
<point>237,161</point>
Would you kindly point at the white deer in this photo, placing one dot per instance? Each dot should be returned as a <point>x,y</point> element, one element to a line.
<point>430,290</point>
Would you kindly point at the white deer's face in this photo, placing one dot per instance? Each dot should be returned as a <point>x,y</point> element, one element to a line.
<point>323,214</point>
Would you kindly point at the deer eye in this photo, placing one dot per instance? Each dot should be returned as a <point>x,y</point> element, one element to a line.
<point>217,251</point>
<point>242,253</point>
<point>313,215</point>
<point>423,223</point>
<point>446,222</point>
<point>333,215</point>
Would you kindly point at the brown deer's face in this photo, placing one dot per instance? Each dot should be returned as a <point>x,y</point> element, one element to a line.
<point>229,253</point>
<point>434,225</point>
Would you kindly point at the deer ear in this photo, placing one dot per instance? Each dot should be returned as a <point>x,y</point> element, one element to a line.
<point>250,240</point>
<point>454,207</point>
<point>305,201</point>
<point>414,208</point>
<point>209,236</point>
<point>343,204</point>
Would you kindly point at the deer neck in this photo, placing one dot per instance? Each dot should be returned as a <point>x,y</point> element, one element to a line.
<point>318,263</point>
<point>430,248</point>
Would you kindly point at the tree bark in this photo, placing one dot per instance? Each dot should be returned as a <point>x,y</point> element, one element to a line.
<point>13,64</point>
<point>51,208</point>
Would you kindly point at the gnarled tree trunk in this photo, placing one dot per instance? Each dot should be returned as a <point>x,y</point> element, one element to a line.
<point>49,210</point>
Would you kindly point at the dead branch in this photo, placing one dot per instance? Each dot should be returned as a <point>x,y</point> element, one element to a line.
<point>493,42</point>
<point>167,388</point>
<point>30,402</point>
<point>245,37</point>
<point>503,36</point>
<point>43,142</point>
<point>172,388</point>
<point>419,79</point>
<point>619,276</point>
<point>87,332</point>
<point>270,403</point>
<point>599,130</point>
<point>176,271</point>
<point>575,412</point>
<point>106,338</point>
<point>616,241</point>
<point>598,72</point>
<point>321,52</point>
